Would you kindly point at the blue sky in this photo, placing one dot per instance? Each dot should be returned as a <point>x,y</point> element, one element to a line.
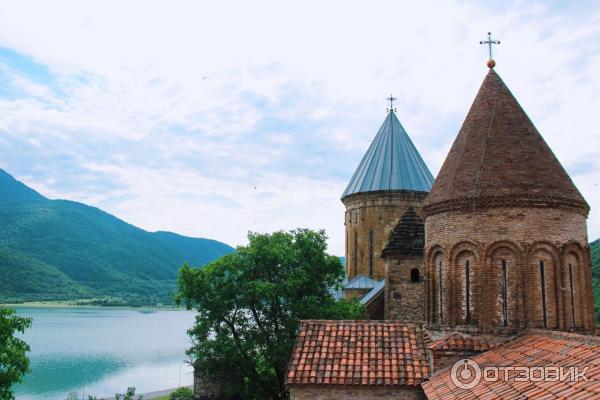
<point>213,119</point>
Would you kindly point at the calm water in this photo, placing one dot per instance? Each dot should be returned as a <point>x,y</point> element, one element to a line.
<point>104,350</point>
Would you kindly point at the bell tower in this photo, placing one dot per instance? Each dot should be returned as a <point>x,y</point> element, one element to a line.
<point>391,177</point>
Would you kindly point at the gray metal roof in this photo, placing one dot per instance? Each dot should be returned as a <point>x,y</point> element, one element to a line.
<point>361,282</point>
<point>377,288</point>
<point>392,162</point>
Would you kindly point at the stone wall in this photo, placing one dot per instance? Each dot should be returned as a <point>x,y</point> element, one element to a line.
<point>369,220</point>
<point>209,389</point>
<point>518,270</point>
<point>404,299</point>
<point>358,294</point>
<point>358,393</point>
<point>376,307</point>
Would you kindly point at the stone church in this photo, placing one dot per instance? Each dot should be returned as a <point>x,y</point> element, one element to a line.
<point>487,265</point>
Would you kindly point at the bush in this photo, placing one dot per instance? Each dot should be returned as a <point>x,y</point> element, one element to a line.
<point>182,393</point>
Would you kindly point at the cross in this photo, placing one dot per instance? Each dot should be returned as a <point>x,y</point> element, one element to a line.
<point>490,42</point>
<point>391,99</point>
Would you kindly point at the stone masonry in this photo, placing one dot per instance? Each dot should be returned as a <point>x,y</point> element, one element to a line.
<point>403,255</point>
<point>370,219</point>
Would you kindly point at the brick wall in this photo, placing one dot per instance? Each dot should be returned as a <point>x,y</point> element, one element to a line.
<point>378,212</point>
<point>404,299</point>
<point>521,239</point>
<point>350,393</point>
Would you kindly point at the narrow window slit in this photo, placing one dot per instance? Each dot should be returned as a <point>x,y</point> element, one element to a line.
<point>572,294</point>
<point>441,289</point>
<point>504,295</point>
<point>543,287</point>
<point>371,246</point>
<point>355,258</point>
<point>468,290</point>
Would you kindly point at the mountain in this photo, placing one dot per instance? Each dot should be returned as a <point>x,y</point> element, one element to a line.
<point>59,249</point>
<point>595,250</point>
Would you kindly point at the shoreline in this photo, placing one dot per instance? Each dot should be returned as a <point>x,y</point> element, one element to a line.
<point>72,304</point>
<point>153,395</point>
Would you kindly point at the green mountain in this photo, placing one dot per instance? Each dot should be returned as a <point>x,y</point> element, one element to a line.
<point>595,250</point>
<point>58,249</point>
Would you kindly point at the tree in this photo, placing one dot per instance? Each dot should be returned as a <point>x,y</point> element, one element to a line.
<point>72,396</point>
<point>183,393</point>
<point>14,363</point>
<point>249,306</point>
<point>128,395</point>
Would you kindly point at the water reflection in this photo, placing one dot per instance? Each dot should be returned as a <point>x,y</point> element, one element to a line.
<point>104,350</point>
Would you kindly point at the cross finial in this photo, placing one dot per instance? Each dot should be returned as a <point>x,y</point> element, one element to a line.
<point>491,63</point>
<point>391,99</point>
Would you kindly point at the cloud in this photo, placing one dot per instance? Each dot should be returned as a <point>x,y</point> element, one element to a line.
<point>215,119</point>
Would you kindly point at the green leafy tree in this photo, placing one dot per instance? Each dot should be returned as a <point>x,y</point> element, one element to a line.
<point>249,306</point>
<point>14,363</point>
<point>72,396</point>
<point>183,393</point>
<point>128,395</point>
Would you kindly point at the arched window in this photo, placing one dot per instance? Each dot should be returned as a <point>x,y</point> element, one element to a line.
<point>574,290</point>
<point>415,275</point>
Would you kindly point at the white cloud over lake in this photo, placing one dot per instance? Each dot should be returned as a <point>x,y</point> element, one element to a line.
<point>214,118</point>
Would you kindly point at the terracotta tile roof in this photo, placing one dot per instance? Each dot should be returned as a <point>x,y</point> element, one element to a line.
<point>456,341</point>
<point>533,348</point>
<point>358,353</point>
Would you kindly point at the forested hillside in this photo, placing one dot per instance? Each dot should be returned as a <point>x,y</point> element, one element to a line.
<point>58,249</point>
<point>595,249</point>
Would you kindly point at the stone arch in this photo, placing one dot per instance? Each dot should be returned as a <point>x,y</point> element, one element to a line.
<point>436,276</point>
<point>492,247</point>
<point>464,266</point>
<point>465,245</point>
<point>573,261</point>
<point>432,250</point>
<point>501,305</point>
<point>542,282</point>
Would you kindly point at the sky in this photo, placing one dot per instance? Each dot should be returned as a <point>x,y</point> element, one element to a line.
<point>212,119</point>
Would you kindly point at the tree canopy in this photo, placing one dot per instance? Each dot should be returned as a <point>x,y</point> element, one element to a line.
<point>13,359</point>
<point>249,306</point>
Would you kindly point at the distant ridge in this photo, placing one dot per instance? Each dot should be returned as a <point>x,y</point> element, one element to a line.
<point>59,249</point>
<point>14,191</point>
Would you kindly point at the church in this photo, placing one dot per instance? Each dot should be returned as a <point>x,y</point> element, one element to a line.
<point>485,267</point>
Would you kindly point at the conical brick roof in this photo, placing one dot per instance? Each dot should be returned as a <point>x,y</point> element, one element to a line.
<point>499,159</point>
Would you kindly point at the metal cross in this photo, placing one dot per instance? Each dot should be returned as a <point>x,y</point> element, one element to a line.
<point>490,42</point>
<point>391,99</point>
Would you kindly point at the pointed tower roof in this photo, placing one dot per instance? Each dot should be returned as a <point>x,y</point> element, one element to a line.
<point>391,163</point>
<point>408,237</point>
<point>500,159</point>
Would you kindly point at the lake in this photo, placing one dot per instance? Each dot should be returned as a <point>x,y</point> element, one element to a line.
<point>103,351</point>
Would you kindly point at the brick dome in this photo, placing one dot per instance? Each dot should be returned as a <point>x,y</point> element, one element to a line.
<point>498,159</point>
